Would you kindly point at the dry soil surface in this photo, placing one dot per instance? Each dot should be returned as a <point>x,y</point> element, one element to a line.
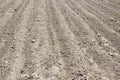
<point>59,39</point>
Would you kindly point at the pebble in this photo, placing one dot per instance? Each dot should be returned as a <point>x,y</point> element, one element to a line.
<point>33,41</point>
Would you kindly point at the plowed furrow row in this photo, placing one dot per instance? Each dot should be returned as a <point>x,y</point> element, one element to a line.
<point>110,21</point>
<point>9,57</point>
<point>59,40</point>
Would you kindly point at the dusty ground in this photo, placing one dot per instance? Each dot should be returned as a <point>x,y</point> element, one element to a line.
<point>59,39</point>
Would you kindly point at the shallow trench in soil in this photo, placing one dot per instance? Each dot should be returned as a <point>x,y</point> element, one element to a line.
<point>59,40</point>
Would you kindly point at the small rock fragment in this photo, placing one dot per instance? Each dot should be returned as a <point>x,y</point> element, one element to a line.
<point>8,33</point>
<point>30,77</point>
<point>22,71</point>
<point>33,41</point>
<point>84,42</point>
<point>15,10</point>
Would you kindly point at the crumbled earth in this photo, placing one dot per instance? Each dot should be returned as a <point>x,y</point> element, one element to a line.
<point>59,39</point>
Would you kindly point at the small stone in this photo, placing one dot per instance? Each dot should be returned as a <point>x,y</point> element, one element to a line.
<point>80,74</point>
<point>33,41</point>
<point>22,71</point>
<point>112,55</point>
<point>100,43</point>
<point>6,61</point>
<point>8,33</point>
<point>62,52</point>
<point>30,77</point>
<point>84,42</point>
<point>99,35</point>
<point>13,47</point>
<point>15,10</point>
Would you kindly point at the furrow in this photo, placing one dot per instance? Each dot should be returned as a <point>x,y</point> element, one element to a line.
<point>8,30</point>
<point>107,3</point>
<point>107,10</point>
<point>97,25</point>
<point>108,20</point>
<point>20,35</point>
<point>92,44</point>
<point>28,67</point>
<point>69,49</point>
<point>9,58</point>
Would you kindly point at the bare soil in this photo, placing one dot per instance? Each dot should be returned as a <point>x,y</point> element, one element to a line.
<point>59,39</point>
